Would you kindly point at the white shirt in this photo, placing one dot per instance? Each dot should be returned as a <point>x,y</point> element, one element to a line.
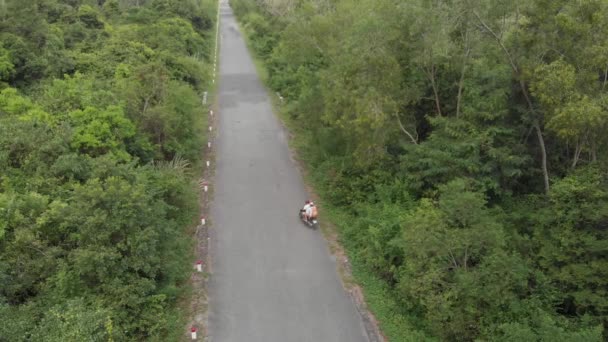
<point>307,208</point>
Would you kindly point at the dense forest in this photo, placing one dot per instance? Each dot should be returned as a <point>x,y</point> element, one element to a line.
<point>101,129</point>
<point>460,147</point>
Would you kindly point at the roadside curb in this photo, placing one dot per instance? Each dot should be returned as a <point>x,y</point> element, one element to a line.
<point>197,328</point>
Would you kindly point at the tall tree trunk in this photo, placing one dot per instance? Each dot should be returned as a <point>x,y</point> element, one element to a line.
<point>605,78</point>
<point>461,84</point>
<point>543,150</point>
<point>3,12</point>
<point>465,58</point>
<point>577,153</point>
<point>431,75</point>
<point>146,103</point>
<point>539,133</point>
<point>414,140</point>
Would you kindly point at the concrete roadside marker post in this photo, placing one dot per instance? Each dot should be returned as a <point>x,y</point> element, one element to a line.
<point>203,220</point>
<point>199,266</point>
<point>208,163</point>
<point>208,144</point>
<point>205,186</point>
<point>210,128</point>
<point>193,333</point>
<point>211,112</point>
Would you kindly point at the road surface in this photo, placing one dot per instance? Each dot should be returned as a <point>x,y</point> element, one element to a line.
<point>273,279</point>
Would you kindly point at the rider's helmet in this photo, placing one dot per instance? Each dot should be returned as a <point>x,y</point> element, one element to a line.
<point>307,202</point>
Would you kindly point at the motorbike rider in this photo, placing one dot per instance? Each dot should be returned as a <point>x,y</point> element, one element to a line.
<point>313,212</point>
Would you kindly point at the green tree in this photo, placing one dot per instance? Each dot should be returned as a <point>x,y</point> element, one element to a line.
<point>98,132</point>
<point>573,242</point>
<point>574,116</point>
<point>6,66</point>
<point>448,247</point>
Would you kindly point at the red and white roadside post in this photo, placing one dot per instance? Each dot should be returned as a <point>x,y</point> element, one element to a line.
<point>193,332</point>
<point>199,266</point>
<point>206,186</point>
<point>203,220</point>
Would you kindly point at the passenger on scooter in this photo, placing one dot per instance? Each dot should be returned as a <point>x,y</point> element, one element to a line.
<point>311,212</point>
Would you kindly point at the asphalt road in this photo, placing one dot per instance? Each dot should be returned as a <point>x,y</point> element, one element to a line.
<point>273,279</point>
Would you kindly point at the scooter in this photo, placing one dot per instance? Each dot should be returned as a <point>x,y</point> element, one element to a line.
<point>311,223</point>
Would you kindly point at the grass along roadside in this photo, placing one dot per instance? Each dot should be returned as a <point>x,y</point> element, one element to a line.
<point>194,306</point>
<point>382,315</point>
